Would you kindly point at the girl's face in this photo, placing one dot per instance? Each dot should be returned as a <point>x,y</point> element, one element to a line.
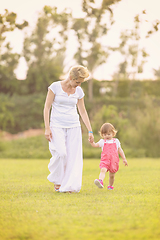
<point>108,135</point>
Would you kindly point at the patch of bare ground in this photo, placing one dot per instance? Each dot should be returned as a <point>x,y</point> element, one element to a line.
<point>28,133</point>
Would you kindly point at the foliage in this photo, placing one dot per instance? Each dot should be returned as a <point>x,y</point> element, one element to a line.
<point>28,148</point>
<point>146,128</point>
<point>44,50</point>
<point>6,117</point>
<point>89,30</point>
<point>110,114</point>
<point>8,59</point>
<point>19,113</point>
<point>157,73</point>
<point>128,112</point>
<point>134,56</point>
<point>32,210</point>
<point>130,89</point>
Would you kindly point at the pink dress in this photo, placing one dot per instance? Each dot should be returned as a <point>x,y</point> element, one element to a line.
<point>110,157</point>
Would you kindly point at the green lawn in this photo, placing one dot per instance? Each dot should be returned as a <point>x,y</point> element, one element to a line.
<point>31,210</point>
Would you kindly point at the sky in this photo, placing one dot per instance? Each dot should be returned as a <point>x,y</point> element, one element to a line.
<point>124,13</point>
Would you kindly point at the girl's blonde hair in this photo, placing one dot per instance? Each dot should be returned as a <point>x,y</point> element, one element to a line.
<point>79,71</point>
<point>106,128</point>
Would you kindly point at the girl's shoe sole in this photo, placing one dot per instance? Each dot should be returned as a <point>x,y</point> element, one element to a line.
<point>98,184</point>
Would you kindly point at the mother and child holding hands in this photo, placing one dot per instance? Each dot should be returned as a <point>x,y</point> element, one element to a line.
<point>63,131</point>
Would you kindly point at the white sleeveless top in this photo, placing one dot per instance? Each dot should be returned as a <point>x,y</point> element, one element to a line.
<point>64,108</point>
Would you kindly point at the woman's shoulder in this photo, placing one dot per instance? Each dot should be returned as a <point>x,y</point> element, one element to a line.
<point>80,92</point>
<point>79,89</point>
<point>54,86</point>
<point>55,83</point>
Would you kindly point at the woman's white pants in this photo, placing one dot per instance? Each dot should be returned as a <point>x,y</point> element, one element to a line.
<point>66,163</point>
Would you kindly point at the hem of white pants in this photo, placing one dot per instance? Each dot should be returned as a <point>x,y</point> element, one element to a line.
<point>65,191</point>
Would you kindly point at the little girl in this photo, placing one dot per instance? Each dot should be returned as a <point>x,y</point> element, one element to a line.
<point>111,148</point>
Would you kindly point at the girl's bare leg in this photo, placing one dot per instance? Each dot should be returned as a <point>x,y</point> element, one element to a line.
<point>111,178</point>
<point>102,173</point>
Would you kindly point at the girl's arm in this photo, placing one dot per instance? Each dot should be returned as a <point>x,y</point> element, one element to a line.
<point>120,151</point>
<point>85,118</point>
<point>46,111</point>
<point>96,145</point>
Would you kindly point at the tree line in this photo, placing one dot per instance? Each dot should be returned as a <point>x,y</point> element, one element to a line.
<point>44,49</point>
<point>135,112</point>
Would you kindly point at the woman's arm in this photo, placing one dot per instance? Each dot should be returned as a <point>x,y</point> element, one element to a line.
<point>85,118</point>
<point>47,106</point>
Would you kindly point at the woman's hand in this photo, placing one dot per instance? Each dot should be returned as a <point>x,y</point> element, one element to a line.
<point>48,134</point>
<point>90,137</point>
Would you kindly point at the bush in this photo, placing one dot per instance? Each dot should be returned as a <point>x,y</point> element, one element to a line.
<point>133,88</point>
<point>6,117</point>
<point>110,114</point>
<point>144,129</point>
<point>31,148</point>
<point>19,113</point>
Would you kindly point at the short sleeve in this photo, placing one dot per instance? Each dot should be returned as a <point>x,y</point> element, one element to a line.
<point>53,87</point>
<point>80,92</point>
<point>118,143</point>
<point>101,143</point>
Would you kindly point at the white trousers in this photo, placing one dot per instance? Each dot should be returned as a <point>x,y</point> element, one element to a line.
<point>66,163</point>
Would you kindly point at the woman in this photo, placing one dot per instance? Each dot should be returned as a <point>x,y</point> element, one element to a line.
<point>64,131</point>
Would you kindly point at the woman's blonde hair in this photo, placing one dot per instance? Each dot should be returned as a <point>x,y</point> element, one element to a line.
<point>106,128</point>
<point>79,71</point>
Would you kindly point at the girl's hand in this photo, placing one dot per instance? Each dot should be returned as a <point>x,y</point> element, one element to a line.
<point>125,162</point>
<point>48,134</point>
<point>90,137</point>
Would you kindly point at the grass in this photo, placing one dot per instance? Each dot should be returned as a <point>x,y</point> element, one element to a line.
<point>31,210</point>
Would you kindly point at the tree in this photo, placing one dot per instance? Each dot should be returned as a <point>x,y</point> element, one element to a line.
<point>44,50</point>
<point>134,55</point>
<point>8,59</point>
<point>6,117</point>
<point>157,73</point>
<point>89,30</point>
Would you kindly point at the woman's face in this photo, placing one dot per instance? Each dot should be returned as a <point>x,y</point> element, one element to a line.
<point>77,82</point>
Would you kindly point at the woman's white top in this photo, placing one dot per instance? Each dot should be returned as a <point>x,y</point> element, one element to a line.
<point>64,108</point>
<point>101,142</point>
